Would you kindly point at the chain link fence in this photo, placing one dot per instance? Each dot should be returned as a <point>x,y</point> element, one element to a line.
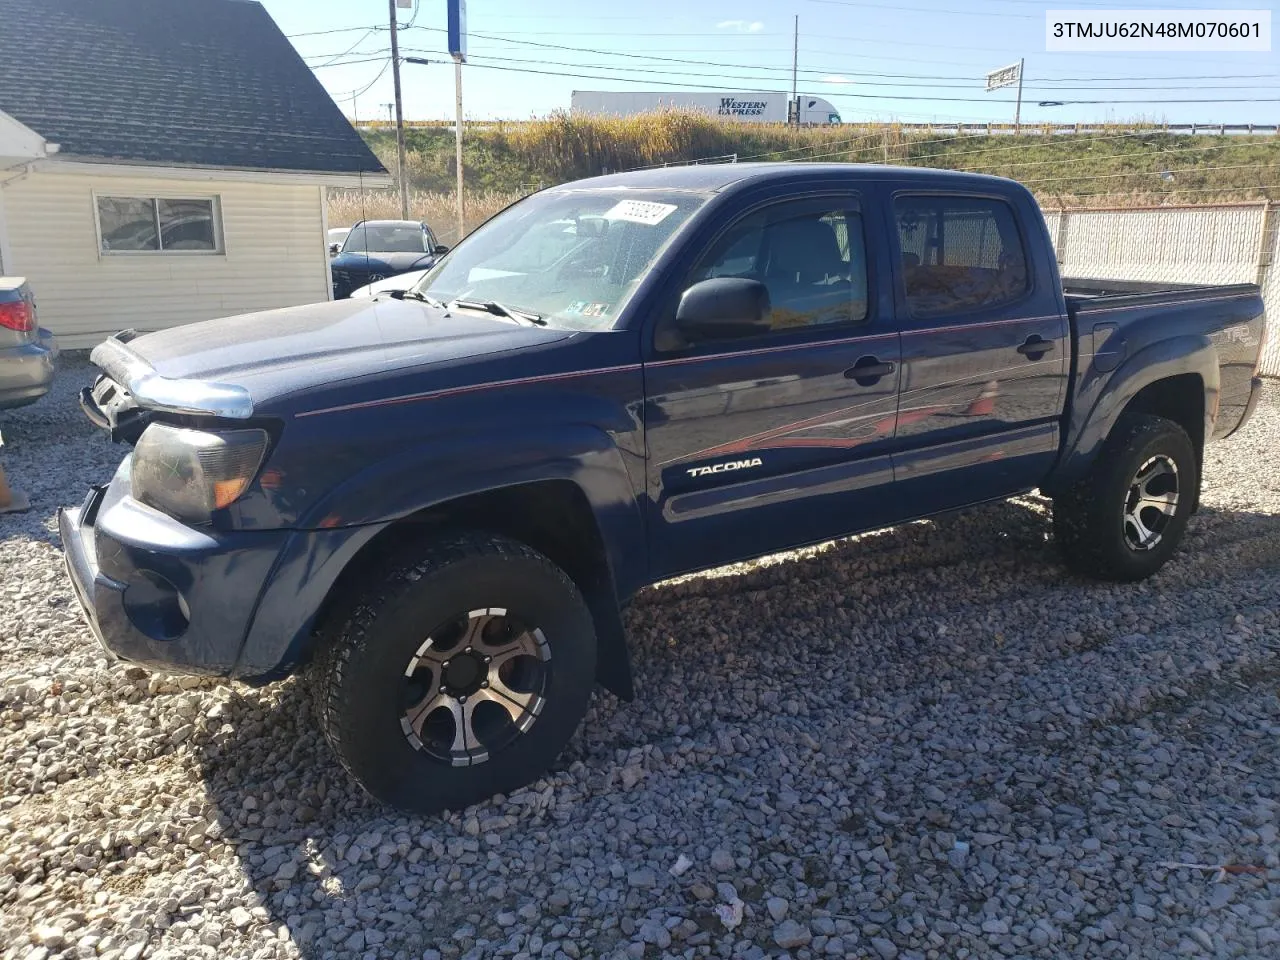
<point>1232,243</point>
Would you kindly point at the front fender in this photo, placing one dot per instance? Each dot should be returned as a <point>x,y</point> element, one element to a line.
<point>436,472</point>
<point>1102,398</point>
<point>431,475</point>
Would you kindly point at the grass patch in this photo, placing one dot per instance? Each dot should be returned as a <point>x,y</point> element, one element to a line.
<point>1119,166</point>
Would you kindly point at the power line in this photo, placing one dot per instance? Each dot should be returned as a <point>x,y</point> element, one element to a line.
<point>931,142</point>
<point>1096,159</point>
<point>361,92</point>
<point>813,70</point>
<point>338,56</point>
<point>858,96</point>
<point>1156,173</point>
<point>323,33</point>
<point>779,73</point>
<point>350,63</point>
<point>1175,191</point>
<point>1063,142</point>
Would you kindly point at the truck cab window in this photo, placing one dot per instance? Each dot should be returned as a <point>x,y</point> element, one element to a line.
<point>959,254</point>
<point>812,260</point>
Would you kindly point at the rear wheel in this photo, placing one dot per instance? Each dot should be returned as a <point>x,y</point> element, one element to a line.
<point>1126,517</point>
<point>461,674</point>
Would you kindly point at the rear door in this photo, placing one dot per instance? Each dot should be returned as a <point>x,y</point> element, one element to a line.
<point>985,349</point>
<point>769,441</point>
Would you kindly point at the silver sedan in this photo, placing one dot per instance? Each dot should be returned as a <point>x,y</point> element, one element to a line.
<point>27,351</point>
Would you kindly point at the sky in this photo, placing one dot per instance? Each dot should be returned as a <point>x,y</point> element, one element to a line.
<point>915,61</point>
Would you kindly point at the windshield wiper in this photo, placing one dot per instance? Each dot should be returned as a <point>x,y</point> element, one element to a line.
<point>500,310</point>
<point>415,295</point>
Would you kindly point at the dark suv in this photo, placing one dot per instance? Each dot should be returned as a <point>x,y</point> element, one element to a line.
<point>377,249</point>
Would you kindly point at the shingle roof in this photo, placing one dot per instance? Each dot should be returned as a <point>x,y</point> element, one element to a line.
<point>181,82</point>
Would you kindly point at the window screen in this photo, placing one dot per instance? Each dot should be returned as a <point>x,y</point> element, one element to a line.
<point>813,261</point>
<point>959,254</point>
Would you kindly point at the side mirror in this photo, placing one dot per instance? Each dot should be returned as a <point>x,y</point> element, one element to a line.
<point>440,249</point>
<point>334,248</point>
<point>723,307</point>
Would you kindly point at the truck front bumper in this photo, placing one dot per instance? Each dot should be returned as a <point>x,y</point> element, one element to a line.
<point>192,601</point>
<point>161,594</point>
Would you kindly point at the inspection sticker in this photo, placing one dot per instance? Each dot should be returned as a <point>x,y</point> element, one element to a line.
<point>640,211</point>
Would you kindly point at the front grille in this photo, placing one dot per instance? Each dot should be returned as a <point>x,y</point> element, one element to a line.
<point>344,282</point>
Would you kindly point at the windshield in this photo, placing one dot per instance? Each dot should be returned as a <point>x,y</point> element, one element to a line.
<point>386,237</point>
<point>573,257</point>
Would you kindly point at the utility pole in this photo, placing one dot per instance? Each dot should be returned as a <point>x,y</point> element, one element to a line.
<point>395,75</point>
<point>795,65</point>
<point>1017,110</point>
<point>457,141</point>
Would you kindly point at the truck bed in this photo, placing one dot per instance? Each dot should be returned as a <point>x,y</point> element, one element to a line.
<point>1116,319</point>
<point>1082,291</point>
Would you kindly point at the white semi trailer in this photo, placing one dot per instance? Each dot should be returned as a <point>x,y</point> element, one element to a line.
<point>742,107</point>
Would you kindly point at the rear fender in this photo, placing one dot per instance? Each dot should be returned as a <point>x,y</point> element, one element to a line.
<point>1159,361</point>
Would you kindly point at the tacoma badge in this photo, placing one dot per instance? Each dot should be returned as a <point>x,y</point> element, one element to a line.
<point>724,467</point>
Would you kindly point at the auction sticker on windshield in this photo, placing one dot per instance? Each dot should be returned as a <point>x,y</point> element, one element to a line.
<point>640,211</point>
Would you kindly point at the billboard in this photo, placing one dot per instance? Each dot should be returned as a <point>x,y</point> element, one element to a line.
<point>458,30</point>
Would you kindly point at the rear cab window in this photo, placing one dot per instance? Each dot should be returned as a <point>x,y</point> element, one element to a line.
<point>959,254</point>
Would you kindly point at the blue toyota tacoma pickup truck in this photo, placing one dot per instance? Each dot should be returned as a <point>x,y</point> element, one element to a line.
<point>435,503</point>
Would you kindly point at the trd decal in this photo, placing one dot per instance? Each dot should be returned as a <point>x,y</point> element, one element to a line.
<point>725,467</point>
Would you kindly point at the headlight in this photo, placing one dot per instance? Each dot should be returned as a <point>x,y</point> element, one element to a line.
<point>190,473</point>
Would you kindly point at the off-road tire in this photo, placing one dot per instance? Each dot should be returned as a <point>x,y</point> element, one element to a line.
<point>364,650</point>
<point>1088,519</point>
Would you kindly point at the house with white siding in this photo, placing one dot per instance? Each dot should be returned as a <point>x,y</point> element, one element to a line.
<point>164,161</point>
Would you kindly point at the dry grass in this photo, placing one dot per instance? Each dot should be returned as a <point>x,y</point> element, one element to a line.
<point>437,209</point>
<point>1123,164</point>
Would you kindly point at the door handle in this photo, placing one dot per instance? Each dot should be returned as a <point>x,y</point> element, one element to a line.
<point>1034,348</point>
<point>868,371</point>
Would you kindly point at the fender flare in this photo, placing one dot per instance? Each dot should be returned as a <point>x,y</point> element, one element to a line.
<point>1158,361</point>
<point>432,475</point>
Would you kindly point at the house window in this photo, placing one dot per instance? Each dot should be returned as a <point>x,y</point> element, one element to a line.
<point>158,225</point>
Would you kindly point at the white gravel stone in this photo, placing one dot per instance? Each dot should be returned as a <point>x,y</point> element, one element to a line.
<point>790,935</point>
<point>926,742</point>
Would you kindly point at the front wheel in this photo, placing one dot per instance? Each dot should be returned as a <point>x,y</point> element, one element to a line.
<point>1126,517</point>
<point>460,674</point>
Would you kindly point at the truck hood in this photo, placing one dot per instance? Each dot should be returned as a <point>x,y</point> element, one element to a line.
<point>250,359</point>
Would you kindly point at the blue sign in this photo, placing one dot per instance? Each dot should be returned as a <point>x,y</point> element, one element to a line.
<point>458,29</point>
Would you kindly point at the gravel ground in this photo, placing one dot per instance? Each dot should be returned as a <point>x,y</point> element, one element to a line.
<point>924,742</point>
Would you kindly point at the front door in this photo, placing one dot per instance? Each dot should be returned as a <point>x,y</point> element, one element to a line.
<point>779,439</point>
<point>985,352</point>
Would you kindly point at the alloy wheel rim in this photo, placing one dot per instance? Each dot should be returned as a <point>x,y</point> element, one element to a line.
<point>1151,503</point>
<point>476,685</point>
